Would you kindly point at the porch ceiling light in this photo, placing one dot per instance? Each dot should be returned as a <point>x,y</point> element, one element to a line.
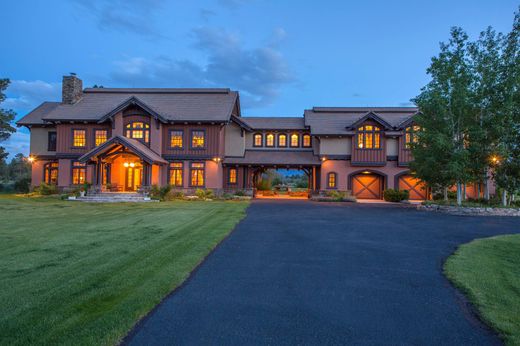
<point>216,159</point>
<point>366,172</point>
<point>125,164</point>
<point>132,164</point>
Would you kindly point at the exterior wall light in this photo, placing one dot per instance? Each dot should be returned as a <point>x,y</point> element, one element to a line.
<point>132,164</point>
<point>323,158</point>
<point>216,159</point>
<point>125,164</point>
<point>30,159</point>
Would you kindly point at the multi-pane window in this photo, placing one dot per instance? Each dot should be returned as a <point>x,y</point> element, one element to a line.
<point>138,130</point>
<point>368,137</point>
<point>176,139</point>
<point>79,173</point>
<point>232,176</point>
<point>197,174</point>
<point>306,140</point>
<point>198,139</point>
<point>411,135</point>
<point>51,173</point>
<point>79,138</point>
<point>100,136</point>
<point>295,140</point>
<point>269,140</point>
<point>282,140</point>
<point>257,140</point>
<point>176,173</point>
<point>331,180</point>
<point>51,141</point>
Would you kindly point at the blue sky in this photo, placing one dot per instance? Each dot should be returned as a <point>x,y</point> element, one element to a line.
<point>283,56</point>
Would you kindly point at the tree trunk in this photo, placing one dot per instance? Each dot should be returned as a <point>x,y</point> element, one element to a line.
<point>478,190</point>
<point>446,194</point>
<point>459,194</point>
<point>464,192</point>
<point>504,198</point>
<point>486,189</point>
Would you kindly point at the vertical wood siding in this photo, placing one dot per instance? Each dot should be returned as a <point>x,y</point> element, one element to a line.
<point>65,139</point>
<point>405,155</point>
<point>212,140</point>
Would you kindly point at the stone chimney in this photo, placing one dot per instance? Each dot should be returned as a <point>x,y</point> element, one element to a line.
<point>71,89</point>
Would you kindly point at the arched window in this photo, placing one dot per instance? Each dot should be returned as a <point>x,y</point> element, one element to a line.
<point>306,140</point>
<point>257,140</point>
<point>331,180</point>
<point>282,140</point>
<point>51,173</point>
<point>410,135</point>
<point>269,140</point>
<point>368,137</point>
<point>295,140</point>
<point>138,130</point>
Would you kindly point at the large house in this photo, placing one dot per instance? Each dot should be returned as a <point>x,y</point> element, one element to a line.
<point>129,139</point>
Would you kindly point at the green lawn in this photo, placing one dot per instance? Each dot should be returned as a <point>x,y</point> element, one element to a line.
<point>488,271</point>
<point>82,273</point>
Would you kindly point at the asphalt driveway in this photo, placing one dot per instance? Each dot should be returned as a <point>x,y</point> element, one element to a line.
<point>298,272</point>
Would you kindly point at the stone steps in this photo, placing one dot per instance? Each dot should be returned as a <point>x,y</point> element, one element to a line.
<point>114,198</point>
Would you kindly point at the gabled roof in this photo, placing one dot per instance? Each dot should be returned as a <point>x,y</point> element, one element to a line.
<point>171,105</point>
<point>370,116</point>
<point>132,101</point>
<point>275,123</point>
<point>138,148</point>
<point>340,120</point>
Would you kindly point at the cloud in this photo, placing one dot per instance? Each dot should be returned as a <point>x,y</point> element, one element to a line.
<point>17,143</point>
<point>23,95</point>
<point>206,14</point>
<point>258,73</point>
<point>136,16</point>
<point>233,4</point>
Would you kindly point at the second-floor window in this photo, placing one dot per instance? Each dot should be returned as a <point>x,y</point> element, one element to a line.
<point>51,141</point>
<point>368,137</point>
<point>138,130</point>
<point>257,140</point>
<point>176,172</point>
<point>295,140</point>
<point>282,140</point>
<point>411,135</point>
<point>232,176</point>
<point>306,140</point>
<point>100,136</point>
<point>198,140</point>
<point>176,139</point>
<point>79,173</point>
<point>269,140</point>
<point>79,138</point>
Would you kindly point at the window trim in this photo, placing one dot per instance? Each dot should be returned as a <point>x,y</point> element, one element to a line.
<point>170,169</point>
<point>94,135</point>
<point>303,140</point>
<point>335,180</point>
<point>203,174</point>
<point>47,168</point>
<point>191,139</point>
<point>49,140</point>
<point>278,141</point>
<point>290,140</point>
<point>274,140</point>
<point>170,133</point>
<point>72,168</point>
<point>373,132</point>
<point>75,146</point>
<point>229,176</point>
<point>261,140</point>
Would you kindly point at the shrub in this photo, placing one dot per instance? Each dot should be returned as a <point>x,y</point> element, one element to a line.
<point>240,193</point>
<point>209,194</point>
<point>335,194</point>
<point>22,185</point>
<point>46,189</point>
<point>172,195</point>
<point>263,185</point>
<point>394,195</point>
<point>155,192</point>
<point>201,194</point>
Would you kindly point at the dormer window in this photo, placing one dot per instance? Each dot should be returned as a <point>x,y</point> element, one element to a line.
<point>282,140</point>
<point>368,137</point>
<point>138,130</point>
<point>295,140</point>
<point>257,140</point>
<point>410,135</point>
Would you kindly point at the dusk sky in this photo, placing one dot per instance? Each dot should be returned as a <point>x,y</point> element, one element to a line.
<point>282,56</point>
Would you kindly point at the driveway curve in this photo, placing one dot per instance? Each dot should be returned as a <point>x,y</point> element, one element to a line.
<point>298,272</point>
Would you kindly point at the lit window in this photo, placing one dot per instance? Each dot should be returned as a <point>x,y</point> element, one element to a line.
<point>368,137</point>
<point>331,180</point>
<point>232,175</point>
<point>176,173</point>
<point>138,130</point>
<point>269,140</point>
<point>295,140</point>
<point>100,136</point>
<point>306,141</point>
<point>79,173</point>
<point>197,139</point>
<point>257,140</point>
<point>176,138</point>
<point>411,135</point>
<point>282,140</point>
<point>79,138</point>
<point>197,174</point>
<point>51,173</point>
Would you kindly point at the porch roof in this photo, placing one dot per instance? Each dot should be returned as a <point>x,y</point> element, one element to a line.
<point>138,148</point>
<point>275,158</point>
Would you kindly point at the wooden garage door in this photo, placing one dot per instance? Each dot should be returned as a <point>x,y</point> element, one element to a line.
<point>367,186</point>
<point>415,186</point>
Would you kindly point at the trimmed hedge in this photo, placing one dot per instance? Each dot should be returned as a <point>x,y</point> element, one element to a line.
<point>394,195</point>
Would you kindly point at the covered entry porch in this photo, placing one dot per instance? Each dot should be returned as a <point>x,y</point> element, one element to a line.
<point>124,165</point>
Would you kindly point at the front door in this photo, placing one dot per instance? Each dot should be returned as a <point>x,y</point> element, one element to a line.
<point>132,178</point>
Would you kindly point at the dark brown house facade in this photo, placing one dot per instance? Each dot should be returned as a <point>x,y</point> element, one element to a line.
<point>130,139</point>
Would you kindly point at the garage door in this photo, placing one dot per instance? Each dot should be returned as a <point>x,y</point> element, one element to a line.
<point>367,186</point>
<point>415,186</point>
